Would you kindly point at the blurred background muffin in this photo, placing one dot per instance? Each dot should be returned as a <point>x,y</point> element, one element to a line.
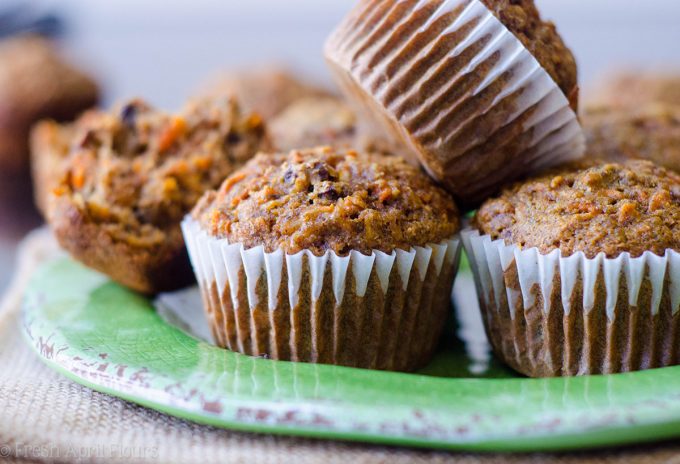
<point>314,121</point>
<point>649,131</point>
<point>633,114</point>
<point>632,89</point>
<point>36,82</point>
<point>266,89</point>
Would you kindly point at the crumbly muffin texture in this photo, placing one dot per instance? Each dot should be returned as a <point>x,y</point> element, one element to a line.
<point>130,177</point>
<point>650,132</point>
<point>607,208</point>
<point>541,38</point>
<point>138,167</point>
<point>322,199</point>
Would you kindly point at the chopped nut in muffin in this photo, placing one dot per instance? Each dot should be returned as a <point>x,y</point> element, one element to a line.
<point>130,176</point>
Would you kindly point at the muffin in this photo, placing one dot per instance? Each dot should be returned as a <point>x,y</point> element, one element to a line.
<point>649,132</point>
<point>327,256</point>
<point>50,144</point>
<point>479,92</point>
<point>314,121</point>
<point>35,83</point>
<point>267,90</point>
<point>577,270</point>
<point>631,90</point>
<point>131,175</point>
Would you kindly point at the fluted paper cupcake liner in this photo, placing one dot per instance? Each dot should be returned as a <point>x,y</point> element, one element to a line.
<point>548,315</point>
<point>457,89</point>
<point>378,311</point>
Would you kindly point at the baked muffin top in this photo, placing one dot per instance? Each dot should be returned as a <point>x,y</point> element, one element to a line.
<point>142,170</point>
<point>608,208</point>
<point>322,199</point>
<point>314,121</point>
<point>649,132</point>
<point>542,40</point>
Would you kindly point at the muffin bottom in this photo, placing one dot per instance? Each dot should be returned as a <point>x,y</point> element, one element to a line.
<point>549,316</point>
<point>380,311</point>
<point>554,344</point>
<point>397,331</point>
<point>151,270</point>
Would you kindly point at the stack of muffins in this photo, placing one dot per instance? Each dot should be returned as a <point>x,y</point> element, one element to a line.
<point>346,253</point>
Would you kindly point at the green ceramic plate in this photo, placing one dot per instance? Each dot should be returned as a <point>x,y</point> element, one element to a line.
<point>111,340</point>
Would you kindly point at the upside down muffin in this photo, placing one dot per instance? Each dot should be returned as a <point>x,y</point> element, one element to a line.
<point>480,92</point>
<point>360,259</point>
<point>588,261</point>
<point>541,38</point>
<point>129,177</point>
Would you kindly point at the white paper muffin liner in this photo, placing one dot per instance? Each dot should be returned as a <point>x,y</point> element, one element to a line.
<point>548,315</point>
<point>378,311</point>
<point>457,89</point>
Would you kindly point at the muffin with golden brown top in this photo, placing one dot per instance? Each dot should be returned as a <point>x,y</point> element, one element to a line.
<point>347,259</point>
<point>480,92</point>
<point>131,175</point>
<point>36,83</point>
<point>315,121</point>
<point>610,209</point>
<point>268,90</point>
<point>650,132</point>
<point>322,200</point>
<point>579,267</point>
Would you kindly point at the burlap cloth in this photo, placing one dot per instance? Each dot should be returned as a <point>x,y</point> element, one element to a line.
<point>47,418</point>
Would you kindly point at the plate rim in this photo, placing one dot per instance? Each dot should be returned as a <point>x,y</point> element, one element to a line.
<point>593,437</point>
